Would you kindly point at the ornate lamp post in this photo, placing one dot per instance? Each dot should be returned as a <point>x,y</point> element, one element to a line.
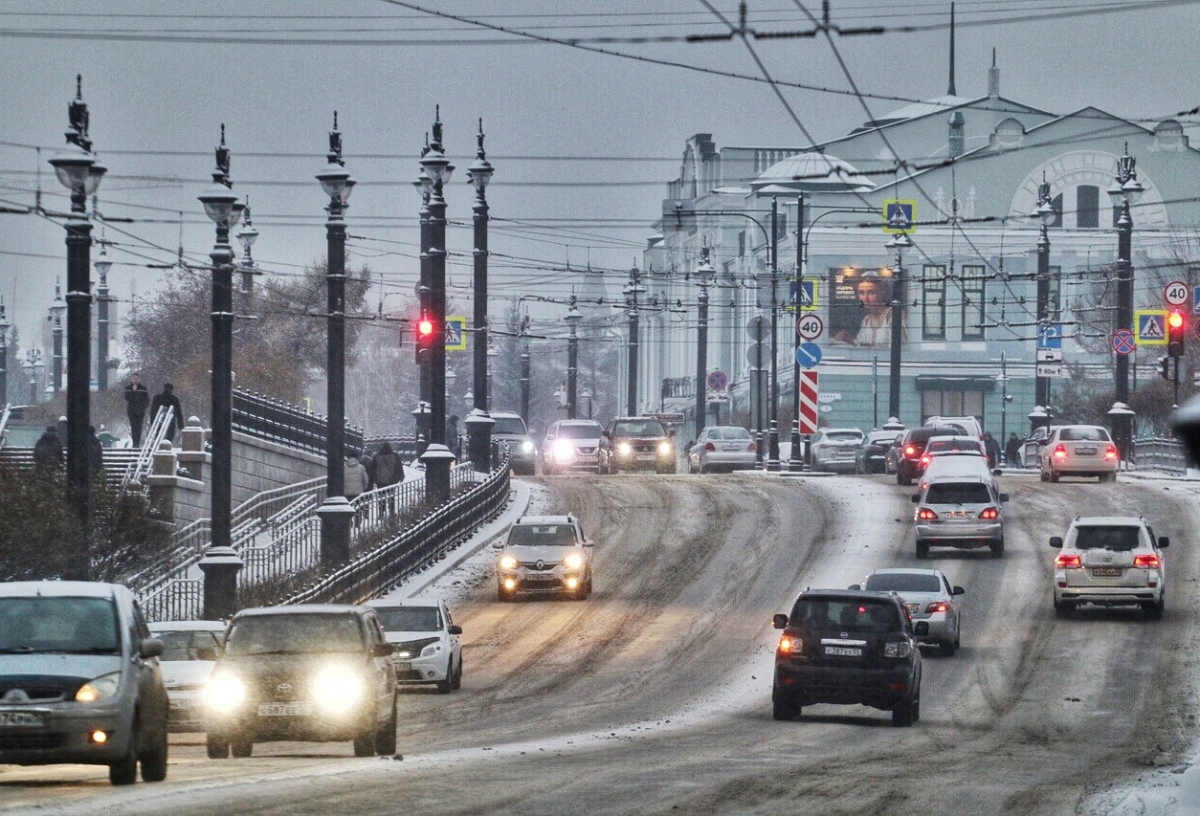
<point>79,171</point>
<point>335,513</point>
<point>899,243</point>
<point>1125,190</point>
<point>102,264</point>
<point>4,327</point>
<point>246,236</point>
<point>573,317</point>
<point>632,290</point>
<point>33,361</point>
<point>480,422</point>
<point>1046,214</point>
<point>424,186</point>
<point>704,274</point>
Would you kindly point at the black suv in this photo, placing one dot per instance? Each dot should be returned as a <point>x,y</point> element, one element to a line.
<point>848,647</point>
<point>307,672</point>
<point>909,451</point>
<point>637,443</point>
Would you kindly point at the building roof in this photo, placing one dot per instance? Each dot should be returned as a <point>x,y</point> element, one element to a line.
<point>811,172</point>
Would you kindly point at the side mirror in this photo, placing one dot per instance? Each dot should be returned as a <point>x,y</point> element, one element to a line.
<point>1163,541</point>
<point>206,653</point>
<point>1056,542</point>
<point>916,498</point>
<point>997,472</point>
<point>150,647</point>
<point>921,629</point>
<point>1044,440</point>
<point>384,649</point>
<point>587,542</point>
<point>779,621</point>
<point>854,586</point>
<point>498,544</point>
<point>455,629</point>
<point>958,591</point>
<point>1003,497</point>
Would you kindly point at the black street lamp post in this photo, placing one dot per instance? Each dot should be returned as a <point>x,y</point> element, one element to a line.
<point>479,422</point>
<point>1045,214</point>
<point>525,369</point>
<point>102,264</point>
<point>704,275</point>
<point>573,317</point>
<point>899,243</point>
<point>4,327</point>
<point>79,171</point>
<point>424,186</point>
<point>336,511</point>
<point>772,419</point>
<point>1125,190</point>
<point>632,290</point>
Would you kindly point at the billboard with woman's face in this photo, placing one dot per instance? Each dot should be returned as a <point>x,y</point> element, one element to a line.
<point>860,306</point>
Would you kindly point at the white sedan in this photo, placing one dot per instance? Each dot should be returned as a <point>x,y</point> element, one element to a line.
<point>427,641</point>
<point>190,650</point>
<point>723,447</point>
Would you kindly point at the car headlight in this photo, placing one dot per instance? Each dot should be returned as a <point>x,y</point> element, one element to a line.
<point>337,689</point>
<point>563,450</point>
<point>98,688</point>
<point>526,447</point>
<point>573,561</point>
<point>224,693</point>
<point>900,649</point>
<point>432,649</point>
<point>508,563</point>
<point>664,448</point>
<point>624,448</point>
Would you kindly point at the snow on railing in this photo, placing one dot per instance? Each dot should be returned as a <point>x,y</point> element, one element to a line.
<point>1156,453</point>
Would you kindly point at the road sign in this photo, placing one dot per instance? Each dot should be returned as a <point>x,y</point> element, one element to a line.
<point>757,355</point>
<point>1123,342</point>
<point>1050,336</point>
<point>1150,327</point>
<point>803,293</point>
<point>757,327</point>
<point>1196,299</point>
<point>808,354</point>
<point>1050,370</point>
<point>717,397</point>
<point>1176,293</point>
<point>808,401</point>
<point>717,381</point>
<point>1196,328</point>
<point>456,334</point>
<point>810,327</point>
<point>899,215</point>
<point>1050,355</point>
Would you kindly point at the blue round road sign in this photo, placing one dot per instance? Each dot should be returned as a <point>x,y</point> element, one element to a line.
<point>808,354</point>
<point>1123,342</point>
<point>717,381</point>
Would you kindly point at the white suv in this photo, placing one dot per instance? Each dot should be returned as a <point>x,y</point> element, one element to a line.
<point>427,641</point>
<point>544,554</point>
<point>1110,560</point>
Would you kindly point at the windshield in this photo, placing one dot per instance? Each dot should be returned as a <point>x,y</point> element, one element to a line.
<point>542,535</point>
<point>1083,434</point>
<point>508,425</point>
<point>1122,539</point>
<point>294,634</point>
<point>72,625</point>
<point>409,618</point>
<point>903,582</point>
<point>579,431</point>
<point>883,439</point>
<point>855,616</point>
<point>639,427</point>
<point>187,645</point>
<point>958,493</point>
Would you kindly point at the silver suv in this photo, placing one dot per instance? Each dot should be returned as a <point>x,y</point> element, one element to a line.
<point>1110,560</point>
<point>544,554</point>
<point>509,429</point>
<point>79,680</point>
<point>960,511</point>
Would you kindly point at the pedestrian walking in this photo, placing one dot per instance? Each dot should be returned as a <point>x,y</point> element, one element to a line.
<point>992,447</point>
<point>48,450</point>
<point>1012,450</point>
<point>355,478</point>
<point>386,467</point>
<point>168,400</point>
<point>95,453</point>
<point>137,400</point>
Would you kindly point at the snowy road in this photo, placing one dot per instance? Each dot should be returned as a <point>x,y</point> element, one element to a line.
<point>654,694</point>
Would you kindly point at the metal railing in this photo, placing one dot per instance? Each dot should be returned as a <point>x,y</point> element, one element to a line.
<point>277,421</point>
<point>4,415</point>
<point>1157,453</point>
<point>404,446</point>
<point>140,467</point>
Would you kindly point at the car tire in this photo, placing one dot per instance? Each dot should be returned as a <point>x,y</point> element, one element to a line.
<point>1063,609</point>
<point>1043,476</point>
<point>241,748</point>
<point>1156,609</point>
<point>922,549</point>
<point>364,745</point>
<point>217,745</point>
<point>456,680</point>
<point>905,713</point>
<point>1053,477</point>
<point>998,549</point>
<point>124,770</point>
<point>443,686</point>
<point>784,710</point>
<point>949,647</point>
<point>385,737</point>
<point>154,759</point>
<point>903,479</point>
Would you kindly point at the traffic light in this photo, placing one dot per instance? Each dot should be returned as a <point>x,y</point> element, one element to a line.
<point>1176,331</point>
<point>425,334</point>
<point>1164,367</point>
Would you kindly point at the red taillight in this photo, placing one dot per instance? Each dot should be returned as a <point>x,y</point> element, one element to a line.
<point>753,447</point>
<point>1067,561</point>
<point>1110,452</point>
<point>709,446</point>
<point>925,461</point>
<point>990,513</point>
<point>925,514</point>
<point>785,645</point>
<point>938,606</point>
<point>1146,561</point>
<point>1060,452</point>
<point>910,451</point>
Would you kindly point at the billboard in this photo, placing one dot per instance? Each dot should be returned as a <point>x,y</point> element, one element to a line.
<point>860,306</point>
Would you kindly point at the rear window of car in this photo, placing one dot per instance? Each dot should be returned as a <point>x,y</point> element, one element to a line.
<point>508,425</point>
<point>1083,435</point>
<point>851,616</point>
<point>306,633</point>
<point>953,445</point>
<point>958,493</point>
<point>886,438</point>
<point>1120,538</point>
<point>922,435</point>
<point>843,436</point>
<point>409,618</point>
<point>541,535</point>
<point>729,433</point>
<point>579,431</point>
<point>60,625</point>
<point>903,582</point>
<point>639,427</point>
<point>186,645</point>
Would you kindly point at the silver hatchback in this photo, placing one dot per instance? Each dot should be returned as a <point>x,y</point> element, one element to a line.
<point>962,512</point>
<point>928,596</point>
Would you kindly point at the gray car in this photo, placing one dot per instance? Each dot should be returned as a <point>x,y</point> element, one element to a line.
<point>836,449</point>
<point>962,512</point>
<point>928,596</point>
<point>80,681</point>
<point>509,430</point>
<point>722,447</point>
<point>544,555</point>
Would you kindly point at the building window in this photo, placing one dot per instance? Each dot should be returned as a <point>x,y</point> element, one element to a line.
<point>974,304</point>
<point>939,402</point>
<point>933,303</point>
<point>1058,211</point>
<point>742,244</point>
<point>1087,206</point>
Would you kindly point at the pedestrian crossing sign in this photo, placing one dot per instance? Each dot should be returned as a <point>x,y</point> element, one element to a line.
<point>456,333</point>
<point>1151,327</point>
<point>899,216</point>
<point>804,294</point>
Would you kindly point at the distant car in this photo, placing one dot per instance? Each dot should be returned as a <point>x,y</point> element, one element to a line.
<point>509,429</point>
<point>307,672</point>
<point>1079,450</point>
<point>80,681</point>
<point>637,443</point>
<point>1110,561</point>
<point>957,464</point>
<point>722,447</point>
<point>835,449</point>
<point>544,554</point>
<point>871,456</point>
<point>1031,449</point>
<point>190,651</point>
<point>959,511</point>
<point>848,647</point>
<point>970,445</point>
<point>911,448</point>
<point>968,425</point>
<point>428,649</point>
<point>929,597</point>
<point>572,445</point>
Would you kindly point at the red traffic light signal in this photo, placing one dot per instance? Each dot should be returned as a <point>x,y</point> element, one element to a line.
<point>425,328</point>
<point>425,332</point>
<point>1176,332</point>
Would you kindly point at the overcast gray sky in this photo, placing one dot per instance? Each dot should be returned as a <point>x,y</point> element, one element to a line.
<point>160,78</point>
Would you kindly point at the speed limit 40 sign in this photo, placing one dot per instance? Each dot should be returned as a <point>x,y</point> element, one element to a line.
<point>1175,293</point>
<point>809,327</point>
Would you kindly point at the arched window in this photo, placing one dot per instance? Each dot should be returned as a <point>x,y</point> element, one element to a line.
<point>1087,206</point>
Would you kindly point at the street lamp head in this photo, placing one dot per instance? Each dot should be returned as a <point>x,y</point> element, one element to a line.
<point>95,174</point>
<point>219,203</point>
<point>335,181</point>
<point>73,165</point>
<point>247,235</point>
<point>102,264</point>
<point>423,185</point>
<point>1045,213</point>
<point>436,166</point>
<point>480,171</point>
<point>1133,190</point>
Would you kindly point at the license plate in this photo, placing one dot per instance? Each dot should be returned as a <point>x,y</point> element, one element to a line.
<point>539,577</point>
<point>729,447</point>
<point>1085,451</point>
<point>403,667</point>
<point>959,514</point>
<point>1107,572</point>
<point>284,709</point>
<point>842,651</point>
<point>26,718</point>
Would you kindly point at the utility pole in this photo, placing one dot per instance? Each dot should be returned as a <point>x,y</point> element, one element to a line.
<point>900,243</point>
<point>705,275</point>
<point>573,317</point>
<point>632,290</point>
<point>773,444</point>
<point>525,368</point>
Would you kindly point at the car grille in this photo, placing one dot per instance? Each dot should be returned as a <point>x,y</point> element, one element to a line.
<point>532,566</point>
<point>15,741</point>
<point>586,451</point>
<point>41,689</point>
<point>403,676</point>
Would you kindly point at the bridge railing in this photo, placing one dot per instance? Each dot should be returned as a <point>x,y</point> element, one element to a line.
<point>1157,453</point>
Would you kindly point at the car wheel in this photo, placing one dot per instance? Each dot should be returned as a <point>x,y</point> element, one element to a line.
<point>443,686</point>
<point>364,745</point>
<point>922,549</point>
<point>1063,609</point>
<point>903,478</point>
<point>904,714</point>
<point>456,680</point>
<point>154,759</point>
<point>1156,609</point>
<point>218,746</point>
<point>784,710</point>
<point>998,549</point>
<point>241,748</point>
<point>124,771</point>
<point>1053,476</point>
<point>949,647</point>
<point>1043,476</point>
<point>385,737</point>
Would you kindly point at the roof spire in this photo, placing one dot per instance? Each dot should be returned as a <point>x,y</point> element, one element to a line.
<point>952,92</point>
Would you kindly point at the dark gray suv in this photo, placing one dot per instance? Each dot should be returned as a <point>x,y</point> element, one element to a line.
<point>509,430</point>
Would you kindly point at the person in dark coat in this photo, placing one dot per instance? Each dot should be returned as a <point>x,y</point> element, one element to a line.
<point>168,400</point>
<point>137,400</point>
<point>1012,450</point>
<point>386,467</point>
<point>95,452</point>
<point>48,450</point>
<point>993,450</point>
